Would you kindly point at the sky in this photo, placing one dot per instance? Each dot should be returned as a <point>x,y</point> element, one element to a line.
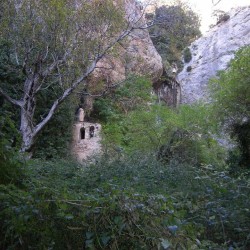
<point>205,9</point>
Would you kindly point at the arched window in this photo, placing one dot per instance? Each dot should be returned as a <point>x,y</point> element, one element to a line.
<point>82,133</point>
<point>91,131</point>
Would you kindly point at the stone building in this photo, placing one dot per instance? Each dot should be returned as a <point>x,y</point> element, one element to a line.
<point>86,138</point>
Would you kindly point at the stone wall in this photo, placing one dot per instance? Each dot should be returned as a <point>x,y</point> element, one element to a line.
<point>136,54</point>
<point>168,90</point>
<point>86,138</point>
<point>212,53</point>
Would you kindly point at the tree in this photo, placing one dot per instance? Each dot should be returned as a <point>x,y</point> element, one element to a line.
<point>55,45</point>
<point>176,27</point>
<point>231,100</point>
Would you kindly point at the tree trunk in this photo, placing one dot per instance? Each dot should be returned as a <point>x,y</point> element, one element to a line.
<point>27,115</point>
<point>26,128</point>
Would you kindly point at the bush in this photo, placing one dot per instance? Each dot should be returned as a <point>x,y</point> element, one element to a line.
<point>186,133</point>
<point>71,214</point>
<point>132,202</point>
<point>189,68</point>
<point>230,93</point>
<point>11,169</point>
<point>187,55</point>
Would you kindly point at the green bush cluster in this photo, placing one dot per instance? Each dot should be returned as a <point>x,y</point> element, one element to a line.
<point>132,202</point>
<point>189,68</point>
<point>183,135</point>
<point>10,161</point>
<point>230,93</point>
<point>187,55</point>
<point>176,26</point>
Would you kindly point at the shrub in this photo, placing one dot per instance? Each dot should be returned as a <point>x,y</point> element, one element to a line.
<point>230,93</point>
<point>129,203</point>
<point>187,55</point>
<point>10,161</point>
<point>60,210</point>
<point>189,68</point>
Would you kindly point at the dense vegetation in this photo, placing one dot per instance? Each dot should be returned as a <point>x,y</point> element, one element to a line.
<point>53,46</point>
<point>163,181</point>
<point>127,203</point>
<point>231,102</point>
<point>176,27</point>
<point>169,186</point>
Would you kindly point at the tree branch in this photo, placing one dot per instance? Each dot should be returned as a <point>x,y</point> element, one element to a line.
<point>65,94</point>
<point>74,85</point>
<point>10,99</point>
<point>215,3</point>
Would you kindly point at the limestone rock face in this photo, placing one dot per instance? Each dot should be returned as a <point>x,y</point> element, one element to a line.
<point>136,53</point>
<point>212,53</point>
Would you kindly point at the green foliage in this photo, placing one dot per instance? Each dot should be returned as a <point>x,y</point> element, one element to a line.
<point>133,94</point>
<point>115,108</point>
<point>176,27</point>
<point>185,135</point>
<point>187,55</point>
<point>11,75</point>
<point>55,139</point>
<point>10,161</point>
<point>133,202</point>
<point>231,92</point>
<point>189,68</point>
<point>231,98</point>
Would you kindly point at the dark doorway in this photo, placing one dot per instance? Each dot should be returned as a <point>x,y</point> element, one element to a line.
<point>91,131</point>
<point>82,133</point>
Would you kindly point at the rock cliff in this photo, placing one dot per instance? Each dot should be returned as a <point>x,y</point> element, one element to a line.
<point>213,52</point>
<point>135,54</point>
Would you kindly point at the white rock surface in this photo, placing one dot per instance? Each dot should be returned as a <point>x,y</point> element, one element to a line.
<point>136,53</point>
<point>213,52</point>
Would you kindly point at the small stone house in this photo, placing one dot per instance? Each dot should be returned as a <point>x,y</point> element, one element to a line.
<point>86,138</point>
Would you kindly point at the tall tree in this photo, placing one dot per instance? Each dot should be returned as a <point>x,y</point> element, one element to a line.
<point>55,44</point>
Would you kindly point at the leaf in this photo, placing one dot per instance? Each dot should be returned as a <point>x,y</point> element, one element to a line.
<point>173,228</point>
<point>89,235</point>
<point>165,243</point>
<point>69,217</point>
<point>88,243</point>
<point>105,240</point>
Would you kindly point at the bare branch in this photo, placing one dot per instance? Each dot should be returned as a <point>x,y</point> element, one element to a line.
<point>65,94</point>
<point>215,3</point>
<point>10,99</point>
<point>74,85</point>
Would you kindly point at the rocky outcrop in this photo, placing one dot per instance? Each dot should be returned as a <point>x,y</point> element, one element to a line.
<point>213,52</point>
<point>136,54</point>
<point>168,91</point>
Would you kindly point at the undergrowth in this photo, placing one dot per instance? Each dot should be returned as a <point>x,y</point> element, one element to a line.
<point>131,202</point>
